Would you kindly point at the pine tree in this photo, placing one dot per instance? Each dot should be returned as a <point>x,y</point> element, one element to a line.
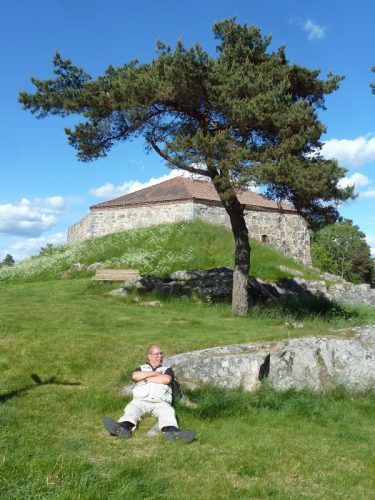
<point>244,116</point>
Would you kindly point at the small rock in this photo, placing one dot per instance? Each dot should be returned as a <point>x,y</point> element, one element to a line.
<point>189,404</point>
<point>294,272</point>
<point>294,325</point>
<point>95,265</point>
<point>298,325</point>
<point>76,267</point>
<point>152,303</point>
<point>118,292</point>
<point>63,275</point>
<point>154,431</point>
<point>332,277</point>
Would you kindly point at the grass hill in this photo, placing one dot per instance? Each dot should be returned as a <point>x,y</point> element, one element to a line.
<point>67,349</point>
<point>158,250</point>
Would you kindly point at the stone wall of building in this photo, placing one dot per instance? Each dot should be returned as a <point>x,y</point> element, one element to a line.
<point>107,221</point>
<point>81,230</point>
<point>284,231</point>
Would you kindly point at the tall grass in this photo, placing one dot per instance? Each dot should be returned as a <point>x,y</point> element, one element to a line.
<point>156,250</point>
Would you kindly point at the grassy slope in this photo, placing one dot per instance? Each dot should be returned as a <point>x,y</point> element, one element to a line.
<point>83,345</point>
<point>159,250</point>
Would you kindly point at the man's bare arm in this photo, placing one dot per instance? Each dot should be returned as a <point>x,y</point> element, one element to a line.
<point>162,379</point>
<point>157,378</point>
<point>139,376</point>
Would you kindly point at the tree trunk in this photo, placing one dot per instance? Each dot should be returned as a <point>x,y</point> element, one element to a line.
<point>240,303</point>
<point>235,211</point>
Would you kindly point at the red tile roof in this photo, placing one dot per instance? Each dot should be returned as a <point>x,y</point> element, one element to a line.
<point>183,189</point>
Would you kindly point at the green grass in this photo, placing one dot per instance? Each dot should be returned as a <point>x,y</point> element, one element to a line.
<point>156,250</point>
<point>67,349</point>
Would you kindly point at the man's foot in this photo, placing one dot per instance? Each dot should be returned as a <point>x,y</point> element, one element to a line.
<point>116,429</point>
<point>179,435</point>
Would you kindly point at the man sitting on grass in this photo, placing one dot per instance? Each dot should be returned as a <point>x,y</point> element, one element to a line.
<point>152,394</point>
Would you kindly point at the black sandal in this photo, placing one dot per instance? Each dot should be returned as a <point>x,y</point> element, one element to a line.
<point>116,429</point>
<point>186,436</point>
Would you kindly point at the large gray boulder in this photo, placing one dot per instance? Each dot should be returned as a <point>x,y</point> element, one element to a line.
<point>215,285</point>
<point>211,285</point>
<point>315,363</point>
<point>337,290</point>
<point>229,367</point>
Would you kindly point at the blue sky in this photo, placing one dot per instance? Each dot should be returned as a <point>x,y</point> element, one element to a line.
<point>44,189</point>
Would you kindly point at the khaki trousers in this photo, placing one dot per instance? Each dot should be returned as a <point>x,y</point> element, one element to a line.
<point>137,409</point>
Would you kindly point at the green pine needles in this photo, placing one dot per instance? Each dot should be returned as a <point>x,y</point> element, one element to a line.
<point>247,115</point>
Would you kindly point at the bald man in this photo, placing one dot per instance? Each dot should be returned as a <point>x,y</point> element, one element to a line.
<point>152,395</point>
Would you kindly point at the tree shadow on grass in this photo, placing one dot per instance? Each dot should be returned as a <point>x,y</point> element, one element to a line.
<point>307,306</point>
<point>38,382</point>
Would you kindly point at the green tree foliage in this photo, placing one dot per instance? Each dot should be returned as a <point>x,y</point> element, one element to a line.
<point>47,250</point>
<point>8,261</point>
<point>246,115</point>
<point>341,249</point>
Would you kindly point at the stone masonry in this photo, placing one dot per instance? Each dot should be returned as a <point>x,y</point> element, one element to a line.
<point>101,222</point>
<point>276,225</point>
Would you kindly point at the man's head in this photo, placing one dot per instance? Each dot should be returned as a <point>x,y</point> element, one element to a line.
<point>155,355</point>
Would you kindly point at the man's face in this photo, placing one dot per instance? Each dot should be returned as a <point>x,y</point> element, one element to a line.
<point>155,357</point>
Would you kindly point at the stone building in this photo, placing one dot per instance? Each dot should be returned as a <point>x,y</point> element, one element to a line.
<point>181,198</point>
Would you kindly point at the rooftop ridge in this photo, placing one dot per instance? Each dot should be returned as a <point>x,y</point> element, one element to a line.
<point>184,189</point>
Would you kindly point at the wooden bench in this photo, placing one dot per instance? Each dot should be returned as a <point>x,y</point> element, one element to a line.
<point>115,274</point>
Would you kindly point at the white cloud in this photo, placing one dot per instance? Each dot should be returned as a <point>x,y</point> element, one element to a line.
<point>108,190</point>
<point>31,217</point>
<point>356,180</point>
<point>32,244</point>
<point>368,194</point>
<point>371,243</point>
<point>353,152</point>
<point>20,248</point>
<point>315,32</point>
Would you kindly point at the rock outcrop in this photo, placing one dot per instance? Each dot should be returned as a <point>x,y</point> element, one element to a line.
<point>331,287</point>
<point>315,363</point>
<point>215,285</point>
<point>211,285</point>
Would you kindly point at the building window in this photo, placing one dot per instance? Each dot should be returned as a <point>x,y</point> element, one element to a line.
<point>264,238</point>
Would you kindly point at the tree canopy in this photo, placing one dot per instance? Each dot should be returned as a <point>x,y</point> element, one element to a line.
<point>341,249</point>
<point>244,116</point>
<point>8,261</point>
